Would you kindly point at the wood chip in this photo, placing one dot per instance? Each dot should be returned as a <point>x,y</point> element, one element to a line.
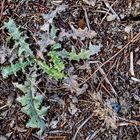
<point>138,62</point>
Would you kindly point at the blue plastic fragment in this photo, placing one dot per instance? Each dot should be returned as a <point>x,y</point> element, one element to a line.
<point>116,107</point>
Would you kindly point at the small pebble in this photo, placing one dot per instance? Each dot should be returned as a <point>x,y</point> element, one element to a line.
<point>128,29</point>
<point>111,17</point>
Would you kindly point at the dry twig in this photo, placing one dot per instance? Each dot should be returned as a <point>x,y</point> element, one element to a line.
<point>86,17</point>
<point>131,64</point>
<point>106,79</point>
<point>127,122</point>
<point>111,9</point>
<point>93,135</point>
<point>131,41</point>
<point>2,7</point>
<point>78,129</point>
<point>107,13</point>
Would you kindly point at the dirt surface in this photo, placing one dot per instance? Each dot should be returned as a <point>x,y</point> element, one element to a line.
<point>100,98</point>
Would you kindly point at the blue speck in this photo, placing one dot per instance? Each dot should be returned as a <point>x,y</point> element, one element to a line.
<point>116,107</point>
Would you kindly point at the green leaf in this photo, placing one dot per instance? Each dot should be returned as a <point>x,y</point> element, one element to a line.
<point>14,68</point>
<point>53,31</point>
<point>55,71</point>
<point>31,105</point>
<point>24,99</point>
<point>43,111</point>
<point>94,49</point>
<point>56,46</point>
<point>24,47</point>
<point>19,86</point>
<point>73,55</point>
<point>83,54</point>
<point>38,100</point>
<point>19,40</point>
<point>55,68</point>
<point>12,28</point>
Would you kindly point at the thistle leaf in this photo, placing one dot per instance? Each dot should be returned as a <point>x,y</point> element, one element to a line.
<point>55,71</point>
<point>56,46</point>
<point>13,30</point>
<point>31,105</point>
<point>19,40</point>
<point>14,68</point>
<point>83,54</point>
<point>53,31</point>
<point>94,49</point>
